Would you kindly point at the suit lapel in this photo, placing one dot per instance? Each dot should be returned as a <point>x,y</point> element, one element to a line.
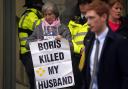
<point>88,42</point>
<point>108,40</point>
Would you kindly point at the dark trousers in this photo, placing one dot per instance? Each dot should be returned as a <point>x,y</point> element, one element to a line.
<point>27,61</point>
<point>77,74</point>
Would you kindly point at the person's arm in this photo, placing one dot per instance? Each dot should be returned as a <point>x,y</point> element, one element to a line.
<point>31,38</point>
<point>36,35</point>
<point>65,33</point>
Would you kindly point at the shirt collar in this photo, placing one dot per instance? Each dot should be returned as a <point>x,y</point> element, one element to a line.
<point>82,16</point>
<point>103,34</point>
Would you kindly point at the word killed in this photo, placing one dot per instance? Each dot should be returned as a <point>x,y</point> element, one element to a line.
<point>51,57</point>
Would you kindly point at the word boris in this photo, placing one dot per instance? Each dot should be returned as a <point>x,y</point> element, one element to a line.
<point>51,83</point>
<point>51,57</point>
<point>49,45</point>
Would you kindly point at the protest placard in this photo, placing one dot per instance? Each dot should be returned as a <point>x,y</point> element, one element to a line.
<point>52,63</point>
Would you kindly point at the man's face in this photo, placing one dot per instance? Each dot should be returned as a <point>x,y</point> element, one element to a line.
<point>95,22</point>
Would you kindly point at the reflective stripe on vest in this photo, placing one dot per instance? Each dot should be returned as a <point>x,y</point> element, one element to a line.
<point>22,35</point>
<point>79,42</point>
<point>79,34</point>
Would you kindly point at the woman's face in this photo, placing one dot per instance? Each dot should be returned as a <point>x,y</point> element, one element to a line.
<point>116,11</point>
<point>49,16</point>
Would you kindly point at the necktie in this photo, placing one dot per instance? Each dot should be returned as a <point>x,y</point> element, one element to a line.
<point>95,67</point>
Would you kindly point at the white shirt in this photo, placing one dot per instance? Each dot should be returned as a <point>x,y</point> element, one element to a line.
<point>82,16</point>
<point>101,38</point>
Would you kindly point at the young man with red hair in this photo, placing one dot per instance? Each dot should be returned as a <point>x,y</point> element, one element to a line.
<point>106,52</point>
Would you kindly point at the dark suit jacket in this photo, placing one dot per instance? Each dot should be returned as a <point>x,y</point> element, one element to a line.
<point>113,63</point>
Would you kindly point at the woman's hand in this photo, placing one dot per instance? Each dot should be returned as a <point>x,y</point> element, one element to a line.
<point>58,37</point>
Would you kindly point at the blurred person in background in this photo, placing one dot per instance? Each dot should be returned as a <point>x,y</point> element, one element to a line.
<point>78,28</point>
<point>116,21</point>
<point>25,29</point>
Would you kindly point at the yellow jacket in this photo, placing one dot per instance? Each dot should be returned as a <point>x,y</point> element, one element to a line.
<point>26,26</point>
<point>78,33</point>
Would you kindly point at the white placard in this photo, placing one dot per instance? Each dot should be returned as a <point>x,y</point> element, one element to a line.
<point>52,63</point>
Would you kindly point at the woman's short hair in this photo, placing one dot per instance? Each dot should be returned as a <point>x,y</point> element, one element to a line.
<point>52,7</point>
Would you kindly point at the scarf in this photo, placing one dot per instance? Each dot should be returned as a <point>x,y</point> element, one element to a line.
<point>56,23</point>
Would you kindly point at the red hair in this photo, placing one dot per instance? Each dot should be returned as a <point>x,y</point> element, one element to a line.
<point>100,7</point>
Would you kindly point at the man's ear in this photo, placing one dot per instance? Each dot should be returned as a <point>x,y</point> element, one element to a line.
<point>104,17</point>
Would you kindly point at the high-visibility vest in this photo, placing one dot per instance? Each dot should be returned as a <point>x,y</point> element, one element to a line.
<point>78,32</point>
<point>26,26</point>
